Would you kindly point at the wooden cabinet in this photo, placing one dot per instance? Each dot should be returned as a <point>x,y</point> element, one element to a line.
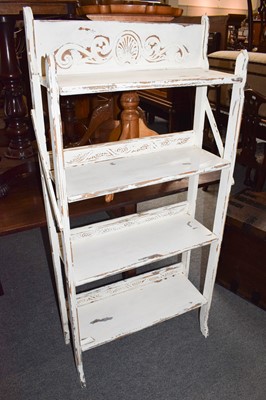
<point>242,261</point>
<point>175,105</point>
<point>82,57</point>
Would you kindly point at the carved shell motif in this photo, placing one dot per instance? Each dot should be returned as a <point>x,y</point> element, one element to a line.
<point>128,48</point>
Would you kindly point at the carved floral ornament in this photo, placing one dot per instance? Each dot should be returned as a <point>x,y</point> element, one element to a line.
<point>117,150</point>
<point>127,49</point>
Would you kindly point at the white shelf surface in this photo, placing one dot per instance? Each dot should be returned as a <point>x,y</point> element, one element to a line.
<point>110,247</point>
<point>141,79</point>
<point>114,311</point>
<point>120,174</point>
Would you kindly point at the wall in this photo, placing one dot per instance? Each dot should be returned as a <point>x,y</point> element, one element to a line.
<point>213,7</point>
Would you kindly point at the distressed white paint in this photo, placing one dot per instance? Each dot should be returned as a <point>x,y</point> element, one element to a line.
<point>123,173</point>
<point>91,47</point>
<point>56,253</point>
<point>139,237</point>
<point>151,298</point>
<point>230,148</point>
<point>126,148</point>
<point>140,80</point>
<point>92,57</point>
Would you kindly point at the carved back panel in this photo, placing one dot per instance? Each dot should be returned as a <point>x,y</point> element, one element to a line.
<point>94,46</point>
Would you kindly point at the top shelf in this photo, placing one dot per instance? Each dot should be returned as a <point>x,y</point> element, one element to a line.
<point>141,79</point>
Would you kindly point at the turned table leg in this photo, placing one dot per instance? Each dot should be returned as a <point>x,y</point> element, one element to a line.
<point>14,105</point>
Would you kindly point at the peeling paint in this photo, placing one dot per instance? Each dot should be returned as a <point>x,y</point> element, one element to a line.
<point>105,319</point>
<point>191,226</point>
<point>70,70</point>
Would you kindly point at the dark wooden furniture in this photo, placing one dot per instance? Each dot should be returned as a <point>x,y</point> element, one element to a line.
<point>252,153</point>
<point>242,267</point>
<point>262,30</point>
<point>218,23</point>
<point>15,137</point>
<point>176,106</point>
<point>10,73</point>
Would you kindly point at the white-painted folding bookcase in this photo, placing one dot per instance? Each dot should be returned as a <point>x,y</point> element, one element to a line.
<point>87,57</point>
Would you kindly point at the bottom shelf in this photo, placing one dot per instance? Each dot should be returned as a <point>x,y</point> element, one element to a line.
<point>128,306</point>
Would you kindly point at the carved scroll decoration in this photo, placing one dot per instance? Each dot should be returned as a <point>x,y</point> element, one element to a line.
<point>117,150</point>
<point>69,55</point>
<point>143,218</point>
<point>181,52</point>
<point>128,49</point>
<point>154,51</point>
<point>141,281</point>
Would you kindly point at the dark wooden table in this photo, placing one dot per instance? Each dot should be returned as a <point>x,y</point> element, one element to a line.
<point>15,140</point>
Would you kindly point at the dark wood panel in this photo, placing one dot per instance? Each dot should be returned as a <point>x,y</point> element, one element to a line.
<point>242,267</point>
<point>14,7</point>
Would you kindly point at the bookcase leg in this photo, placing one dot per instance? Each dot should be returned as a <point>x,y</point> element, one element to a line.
<point>53,236</point>
<point>75,332</point>
<point>204,315</point>
<point>81,375</point>
<point>61,298</point>
<point>209,285</point>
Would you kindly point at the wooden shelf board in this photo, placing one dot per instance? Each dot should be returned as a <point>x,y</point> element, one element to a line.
<point>143,79</point>
<point>23,207</point>
<point>120,174</point>
<point>128,306</point>
<point>109,247</point>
